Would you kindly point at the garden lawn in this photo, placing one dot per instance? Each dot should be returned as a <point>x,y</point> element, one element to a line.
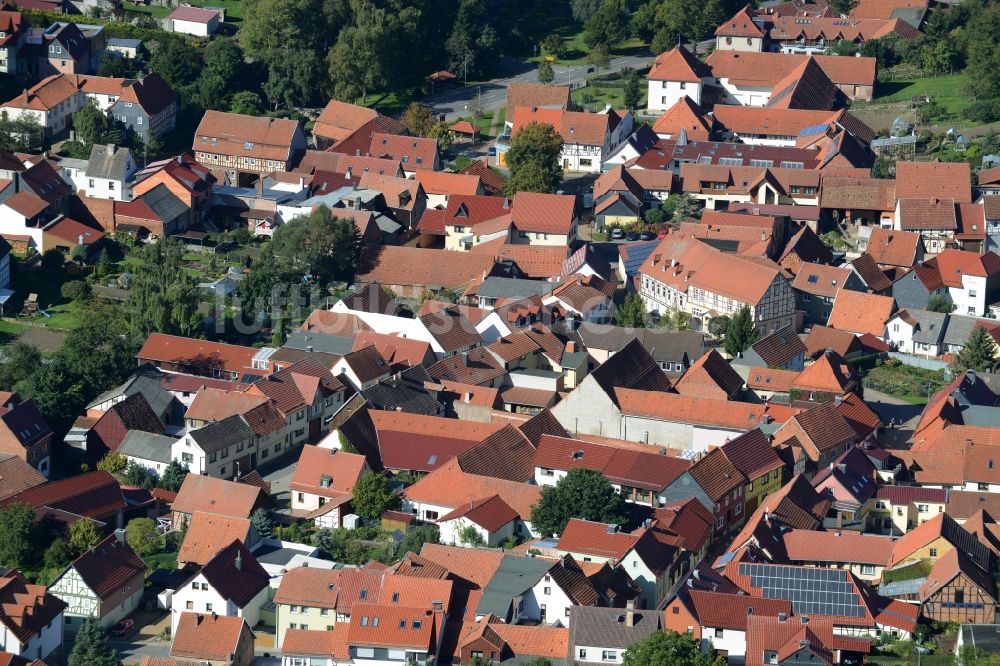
<point>947,90</point>
<point>162,560</point>
<point>919,570</point>
<point>905,382</point>
<point>9,330</point>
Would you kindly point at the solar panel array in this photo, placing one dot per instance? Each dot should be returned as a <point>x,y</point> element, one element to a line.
<point>811,591</point>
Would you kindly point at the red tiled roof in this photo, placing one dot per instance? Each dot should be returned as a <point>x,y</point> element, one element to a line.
<point>765,69</point>
<point>217,496</point>
<point>859,312</point>
<point>246,136</point>
<point>92,494</point>
<point>678,64</point>
<point>213,637</point>
<point>585,537</point>
<point>733,611</point>
<point>845,546</point>
<point>108,566</point>
<point>339,119</point>
<point>491,513</point>
<point>740,25</point>
<point>449,486</point>
<point>316,643</point>
<point>422,267</point>
<point>207,534</point>
<point>385,625</point>
<point>161,348</point>
<point>934,180</point>
<point>544,213</point>
<point>627,467</point>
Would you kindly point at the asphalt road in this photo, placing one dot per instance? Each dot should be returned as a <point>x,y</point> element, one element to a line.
<point>458,102</point>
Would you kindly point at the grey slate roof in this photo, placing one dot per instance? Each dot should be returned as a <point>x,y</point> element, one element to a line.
<point>320,342</point>
<point>164,203</point>
<point>606,627</point>
<point>147,446</point>
<point>512,578</point>
<point>107,162</point>
<point>501,287</point>
<point>144,380</point>
<point>403,395</point>
<point>959,328</point>
<point>217,436</point>
<point>932,326</point>
<point>662,345</point>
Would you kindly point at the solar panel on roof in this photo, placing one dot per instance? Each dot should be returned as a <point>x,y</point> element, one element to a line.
<point>813,129</point>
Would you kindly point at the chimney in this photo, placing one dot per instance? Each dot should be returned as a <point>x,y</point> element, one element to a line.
<point>782,617</point>
<point>629,617</point>
<point>348,172</point>
<point>239,562</point>
<point>468,396</point>
<point>570,347</point>
<point>79,239</point>
<point>837,399</point>
<point>437,605</point>
<point>120,535</point>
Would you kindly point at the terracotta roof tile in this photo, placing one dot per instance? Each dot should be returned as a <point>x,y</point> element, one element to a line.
<point>246,136</point>
<point>678,64</point>
<point>934,180</point>
<point>733,611</point>
<point>449,486</point>
<point>207,534</point>
<point>109,566</point>
<point>217,496</point>
<point>873,276</point>
<point>545,213</point>
<point>211,404</point>
<point>893,248</point>
<point>392,626</point>
<point>443,182</point>
<point>711,376</point>
<point>213,637</point>
<point>536,95</point>
<point>651,471</point>
<point>316,643</point>
<point>585,537</point>
<point>858,312</point>
<point>684,409</point>
<point>92,494</point>
<point>490,513</point>
<point>820,279</point>
<point>766,69</point>
<point>197,353</point>
<point>422,267</point>
<point>327,472</point>
<point>414,153</point>
<point>339,119</point>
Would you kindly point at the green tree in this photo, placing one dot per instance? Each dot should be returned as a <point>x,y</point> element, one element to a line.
<point>843,7</point>
<point>979,352</point>
<point>91,647</point>
<point>608,26</point>
<point>546,74</point>
<point>173,476</point>
<point>940,303</point>
<point>263,522</point>
<point>668,648</point>
<point>224,58</point>
<point>655,216</point>
<point>582,493</point>
<point>79,254</point>
<point>117,67</point>
<point>176,61</point>
<point>416,538</point>
<point>163,298</point>
<point>685,206</point>
<point>554,46</point>
<point>533,160</point>
<point>418,119</point>
<point>19,361</point>
<point>296,78</point>
<point>279,332</point>
<point>245,102</point>
<point>471,537</point>
<point>105,266</point>
<point>53,261</point>
<point>210,91</point>
<point>92,125</point>
<point>373,496</point>
<point>136,475</point>
<point>143,537</point>
<point>584,9</point>
<point>983,53</point>
<point>741,332</point>
<point>113,462</point>
<point>357,63</point>
<point>599,57</point>
<point>318,245</point>
<point>633,88</point>
<point>16,535</point>
<point>632,312</point>
<point>83,536</point>
<point>75,290</point>
<point>58,555</point>
<point>719,325</point>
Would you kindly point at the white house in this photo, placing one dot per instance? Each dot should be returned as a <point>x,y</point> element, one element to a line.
<point>232,584</point>
<point>492,520</point>
<point>913,331</point>
<point>213,449</point>
<point>44,634</point>
<point>52,102</point>
<point>324,479</point>
<point>193,20</point>
<point>675,74</point>
<point>107,175</point>
<point>588,138</point>
<point>104,584</point>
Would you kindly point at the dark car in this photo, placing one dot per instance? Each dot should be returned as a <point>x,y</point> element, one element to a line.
<point>123,628</point>
<point>632,236</point>
<point>647,235</point>
<point>617,233</point>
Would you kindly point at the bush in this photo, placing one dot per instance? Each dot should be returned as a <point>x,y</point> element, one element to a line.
<point>984,110</point>
<point>76,290</point>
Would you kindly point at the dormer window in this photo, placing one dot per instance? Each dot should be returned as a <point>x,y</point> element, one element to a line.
<point>324,481</point>
<point>248,145</point>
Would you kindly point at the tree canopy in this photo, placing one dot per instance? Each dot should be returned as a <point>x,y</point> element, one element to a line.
<point>163,298</point>
<point>533,159</point>
<point>979,352</point>
<point>741,332</point>
<point>373,496</point>
<point>582,493</point>
<point>632,313</point>
<point>669,648</point>
<point>91,647</point>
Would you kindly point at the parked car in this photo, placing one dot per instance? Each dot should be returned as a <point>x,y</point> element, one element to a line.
<point>632,236</point>
<point>617,233</point>
<point>124,627</point>
<point>647,235</point>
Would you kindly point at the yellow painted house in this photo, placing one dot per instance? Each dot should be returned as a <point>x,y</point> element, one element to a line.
<point>755,458</point>
<point>936,537</point>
